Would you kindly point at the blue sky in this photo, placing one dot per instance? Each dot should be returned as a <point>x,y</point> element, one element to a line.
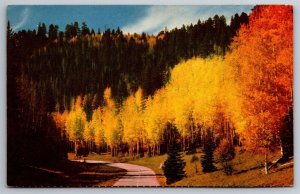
<point>130,18</point>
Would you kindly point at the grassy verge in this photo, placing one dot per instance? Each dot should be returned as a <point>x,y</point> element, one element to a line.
<point>248,170</point>
<point>154,163</point>
<point>65,174</point>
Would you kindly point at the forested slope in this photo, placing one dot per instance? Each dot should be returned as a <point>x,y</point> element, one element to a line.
<point>135,93</point>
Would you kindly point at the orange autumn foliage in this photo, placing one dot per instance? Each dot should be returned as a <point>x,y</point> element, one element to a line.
<point>262,55</point>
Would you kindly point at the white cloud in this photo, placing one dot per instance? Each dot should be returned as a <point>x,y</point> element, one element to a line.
<point>158,17</point>
<point>23,19</point>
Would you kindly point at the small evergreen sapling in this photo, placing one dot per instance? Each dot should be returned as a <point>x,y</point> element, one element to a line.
<point>174,165</point>
<point>208,158</point>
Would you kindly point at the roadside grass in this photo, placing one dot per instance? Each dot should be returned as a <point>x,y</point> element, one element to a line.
<point>103,157</point>
<point>248,170</point>
<point>65,174</point>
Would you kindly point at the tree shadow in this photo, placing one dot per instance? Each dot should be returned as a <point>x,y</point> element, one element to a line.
<point>246,170</point>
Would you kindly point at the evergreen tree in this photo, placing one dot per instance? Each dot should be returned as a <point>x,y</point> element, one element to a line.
<point>61,36</point>
<point>53,30</point>
<point>9,31</point>
<point>84,29</point>
<point>41,34</point>
<point>77,28</point>
<point>92,32</point>
<point>244,18</point>
<point>174,165</point>
<point>208,158</point>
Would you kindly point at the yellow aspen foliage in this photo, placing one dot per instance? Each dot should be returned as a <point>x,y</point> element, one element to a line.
<point>131,116</point>
<point>110,120</point>
<point>76,121</point>
<point>97,124</point>
<point>202,88</point>
<point>89,132</point>
<point>156,115</point>
<point>78,102</point>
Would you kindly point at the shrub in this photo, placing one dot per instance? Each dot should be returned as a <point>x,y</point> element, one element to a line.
<point>225,154</point>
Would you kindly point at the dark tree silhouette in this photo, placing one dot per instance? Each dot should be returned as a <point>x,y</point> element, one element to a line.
<point>174,165</point>
<point>207,160</point>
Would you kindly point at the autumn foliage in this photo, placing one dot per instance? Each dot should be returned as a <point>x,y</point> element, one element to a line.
<point>224,154</point>
<point>245,96</point>
<point>262,55</point>
<point>241,98</point>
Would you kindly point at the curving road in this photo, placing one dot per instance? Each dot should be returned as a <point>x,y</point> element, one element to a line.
<point>137,176</point>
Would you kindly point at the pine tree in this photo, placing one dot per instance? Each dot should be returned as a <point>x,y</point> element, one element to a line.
<point>208,157</point>
<point>84,29</point>
<point>174,165</point>
<point>53,32</point>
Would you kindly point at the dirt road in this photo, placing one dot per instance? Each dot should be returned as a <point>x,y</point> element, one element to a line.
<point>137,176</point>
